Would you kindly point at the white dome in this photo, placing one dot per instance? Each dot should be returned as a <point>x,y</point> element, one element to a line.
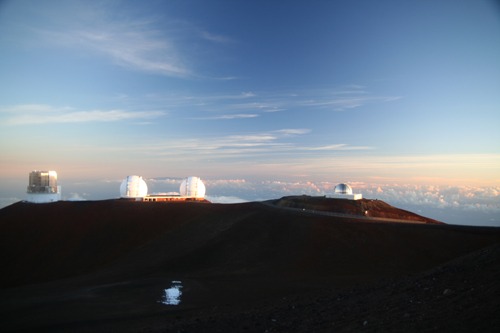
<point>343,189</point>
<point>133,187</point>
<point>192,187</point>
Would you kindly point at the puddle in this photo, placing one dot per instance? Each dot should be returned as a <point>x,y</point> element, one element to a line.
<point>173,294</point>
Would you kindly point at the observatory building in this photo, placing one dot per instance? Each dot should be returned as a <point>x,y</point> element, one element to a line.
<point>191,189</point>
<point>43,187</point>
<point>133,187</point>
<point>344,191</point>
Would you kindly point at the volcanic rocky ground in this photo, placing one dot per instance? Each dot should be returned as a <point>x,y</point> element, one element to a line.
<point>295,264</point>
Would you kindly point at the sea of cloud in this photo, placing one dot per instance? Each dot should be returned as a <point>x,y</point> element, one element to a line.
<point>465,205</point>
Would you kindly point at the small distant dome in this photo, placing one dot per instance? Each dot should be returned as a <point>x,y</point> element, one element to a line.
<point>192,187</point>
<point>133,187</point>
<point>343,189</point>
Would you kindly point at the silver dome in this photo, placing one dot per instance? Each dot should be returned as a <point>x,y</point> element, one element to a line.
<point>343,189</point>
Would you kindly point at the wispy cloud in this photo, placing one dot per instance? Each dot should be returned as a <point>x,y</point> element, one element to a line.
<point>133,43</point>
<point>310,100</point>
<point>230,116</point>
<point>33,108</point>
<point>264,137</point>
<point>215,37</point>
<point>340,146</point>
<point>342,103</point>
<point>227,97</point>
<point>248,104</point>
<point>293,131</point>
<point>481,169</point>
<point>280,145</point>
<point>45,114</point>
<point>338,99</point>
<point>132,46</point>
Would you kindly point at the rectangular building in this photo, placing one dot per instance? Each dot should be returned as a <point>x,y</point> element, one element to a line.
<point>42,182</point>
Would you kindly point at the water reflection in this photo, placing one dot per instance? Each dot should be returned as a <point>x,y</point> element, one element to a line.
<point>173,294</point>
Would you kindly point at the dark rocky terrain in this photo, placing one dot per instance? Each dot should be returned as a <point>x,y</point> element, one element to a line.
<point>359,208</point>
<point>275,266</point>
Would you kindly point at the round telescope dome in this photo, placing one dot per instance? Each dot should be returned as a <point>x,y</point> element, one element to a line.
<point>192,187</point>
<point>343,189</point>
<point>133,187</point>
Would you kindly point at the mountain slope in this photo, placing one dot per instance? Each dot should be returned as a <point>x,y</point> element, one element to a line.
<point>94,265</point>
<point>52,241</point>
<point>362,208</point>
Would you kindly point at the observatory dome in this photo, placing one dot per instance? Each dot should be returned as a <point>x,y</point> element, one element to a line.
<point>133,187</point>
<point>343,189</point>
<point>192,187</point>
<point>43,187</point>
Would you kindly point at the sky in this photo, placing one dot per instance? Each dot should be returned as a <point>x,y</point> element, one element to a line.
<point>389,96</point>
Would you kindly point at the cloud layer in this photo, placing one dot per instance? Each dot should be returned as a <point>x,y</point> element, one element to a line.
<point>443,197</point>
<point>45,114</point>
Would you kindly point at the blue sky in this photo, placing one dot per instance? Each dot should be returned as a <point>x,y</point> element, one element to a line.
<point>392,92</point>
